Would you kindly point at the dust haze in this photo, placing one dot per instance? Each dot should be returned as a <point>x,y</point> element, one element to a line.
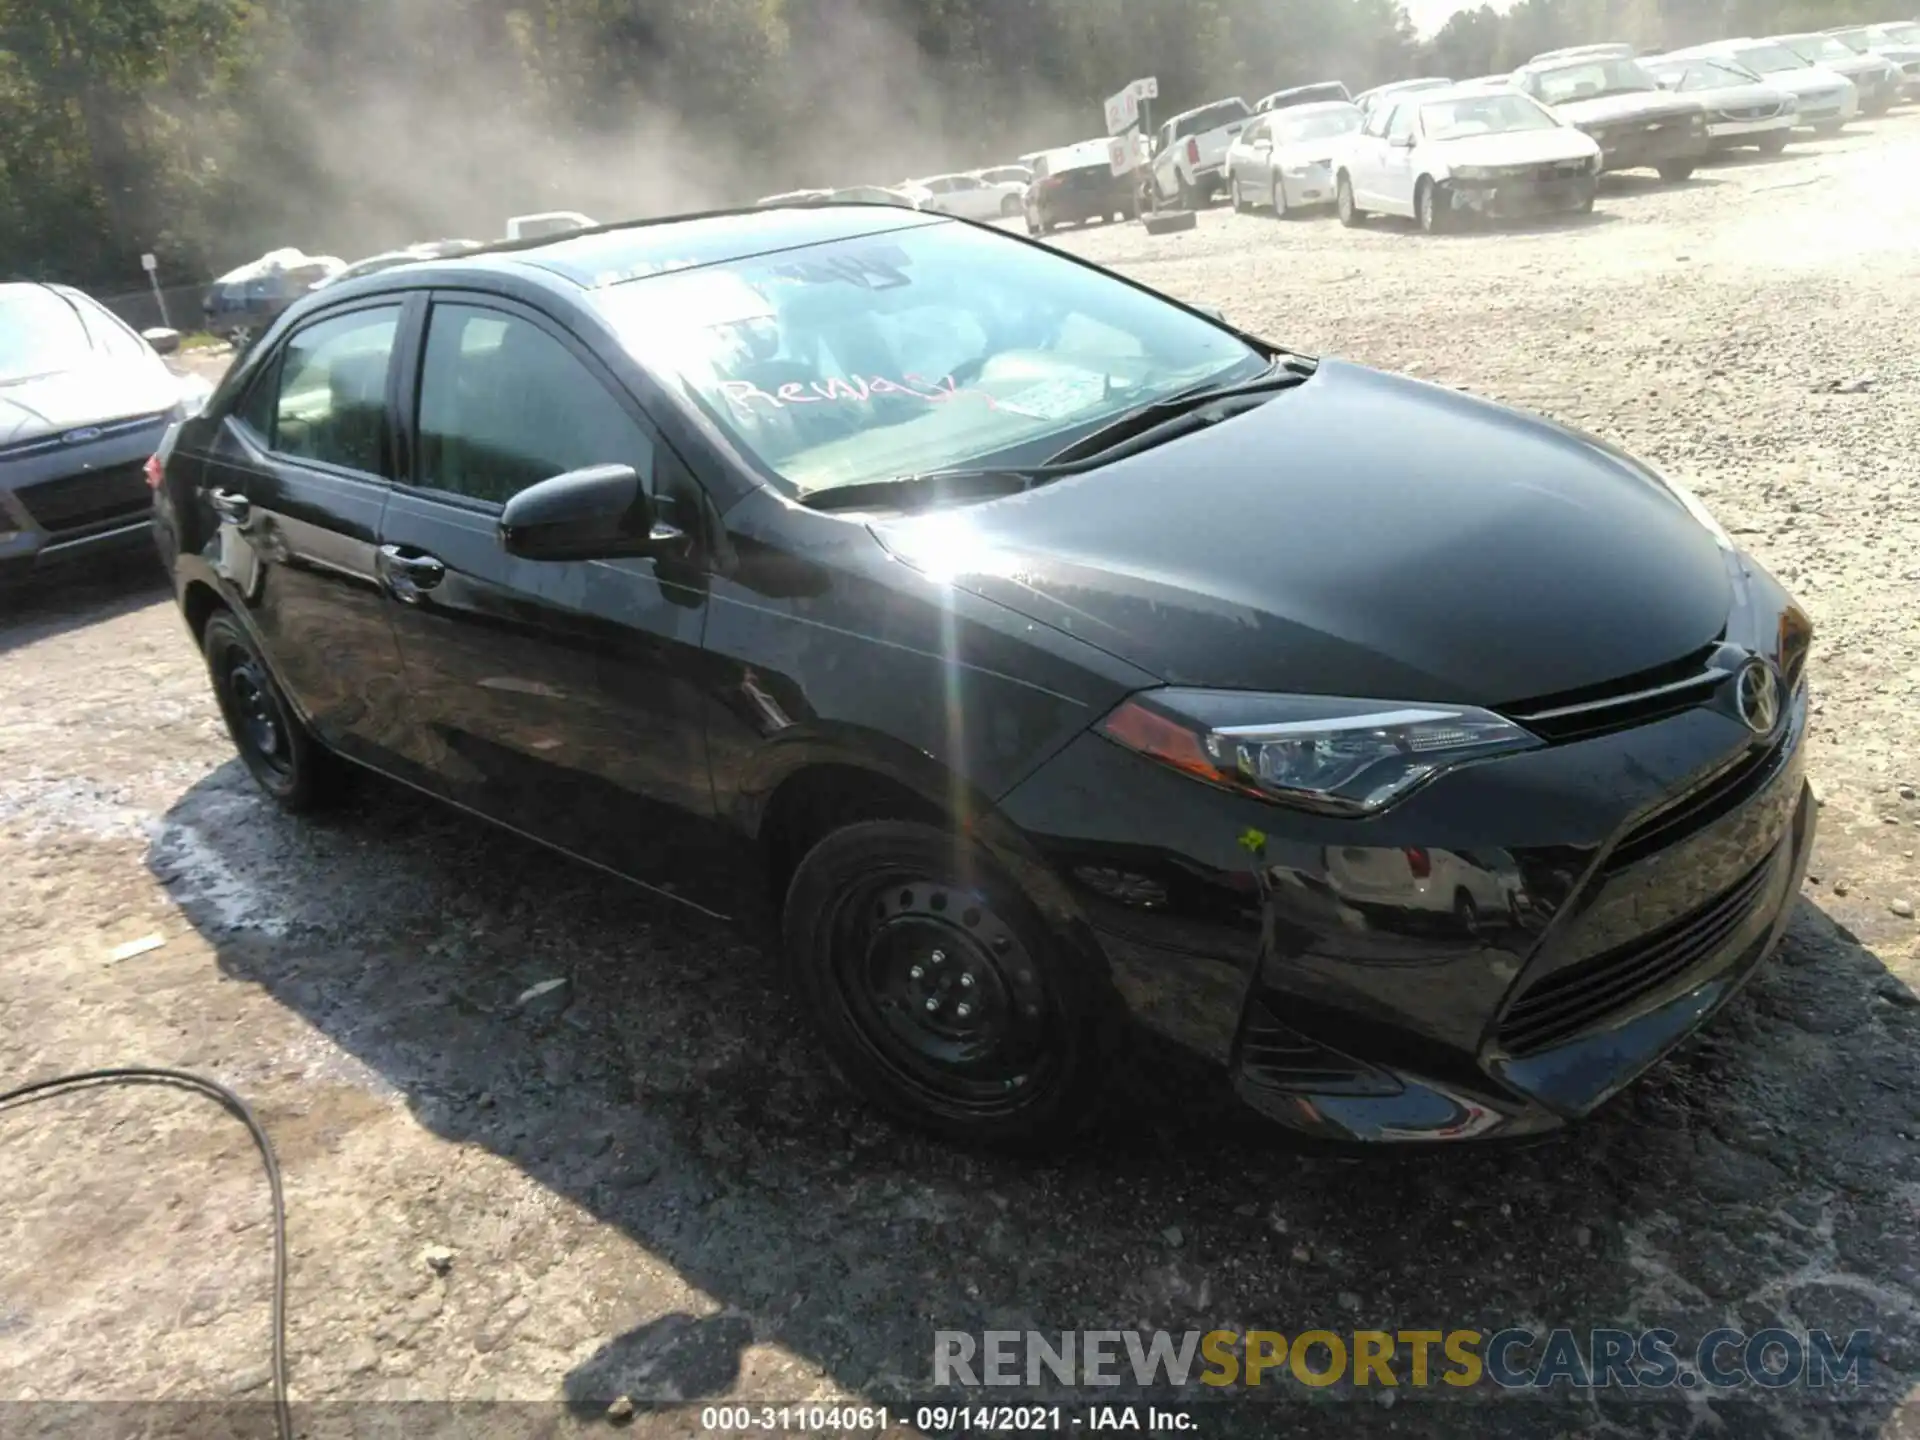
<point>386,154</point>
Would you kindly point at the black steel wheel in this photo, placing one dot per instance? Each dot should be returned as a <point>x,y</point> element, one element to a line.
<point>1351,215</point>
<point>1433,207</point>
<point>275,747</point>
<point>1775,143</point>
<point>1676,171</point>
<point>1279,196</point>
<point>940,994</point>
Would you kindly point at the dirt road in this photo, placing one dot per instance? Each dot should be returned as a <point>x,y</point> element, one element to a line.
<point>655,1193</point>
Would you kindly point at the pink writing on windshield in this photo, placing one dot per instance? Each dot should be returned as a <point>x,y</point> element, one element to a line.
<point>858,389</point>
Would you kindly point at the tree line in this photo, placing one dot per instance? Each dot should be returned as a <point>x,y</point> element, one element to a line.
<point>207,131</point>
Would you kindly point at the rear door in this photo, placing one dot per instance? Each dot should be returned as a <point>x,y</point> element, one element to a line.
<point>560,698</point>
<point>1364,155</point>
<point>298,478</point>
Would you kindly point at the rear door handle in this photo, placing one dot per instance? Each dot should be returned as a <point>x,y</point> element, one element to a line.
<point>230,505</point>
<point>409,571</point>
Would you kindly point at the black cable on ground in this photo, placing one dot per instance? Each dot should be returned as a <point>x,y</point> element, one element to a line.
<point>213,1090</point>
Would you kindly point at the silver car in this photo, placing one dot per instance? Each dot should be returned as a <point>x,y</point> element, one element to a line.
<point>1741,108</point>
<point>1877,78</point>
<point>84,401</point>
<point>1898,43</point>
<point>1284,159</point>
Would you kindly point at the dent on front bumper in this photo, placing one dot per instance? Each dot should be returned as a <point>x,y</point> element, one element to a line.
<point>1495,956</point>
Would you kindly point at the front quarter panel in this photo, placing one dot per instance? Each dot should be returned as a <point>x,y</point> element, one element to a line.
<point>825,650</point>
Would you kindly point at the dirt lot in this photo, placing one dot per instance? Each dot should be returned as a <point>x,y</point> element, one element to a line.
<point>655,1192</point>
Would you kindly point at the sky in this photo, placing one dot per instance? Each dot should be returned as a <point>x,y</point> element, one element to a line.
<point>1430,15</point>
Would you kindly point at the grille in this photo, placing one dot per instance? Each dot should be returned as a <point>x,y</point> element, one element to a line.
<point>47,444</point>
<point>1720,794</point>
<point>1559,1006</point>
<point>1637,699</point>
<point>94,499</point>
<point>1751,112</point>
<point>1278,1057</point>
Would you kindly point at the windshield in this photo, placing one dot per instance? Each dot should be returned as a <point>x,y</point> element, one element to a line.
<point>1490,114</point>
<point>1324,125</point>
<point>1768,59</point>
<point>1814,48</point>
<point>1590,80</point>
<point>913,350</point>
<point>1211,118</point>
<point>39,334</point>
<point>1702,74</point>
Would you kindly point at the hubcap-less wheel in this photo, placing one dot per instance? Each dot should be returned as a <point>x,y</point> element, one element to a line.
<point>941,991</point>
<point>1343,200</point>
<point>259,724</point>
<point>1279,197</point>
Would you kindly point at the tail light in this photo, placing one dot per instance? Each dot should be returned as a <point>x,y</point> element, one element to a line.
<point>156,471</point>
<point>1419,863</point>
<point>1193,151</point>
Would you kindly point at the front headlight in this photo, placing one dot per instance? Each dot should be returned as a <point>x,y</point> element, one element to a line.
<point>1331,756</point>
<point>1471,172</point>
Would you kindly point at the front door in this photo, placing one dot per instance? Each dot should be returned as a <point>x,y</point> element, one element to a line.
<point>1396,160</point>
<point>561,698</point>
<point>298,478</point>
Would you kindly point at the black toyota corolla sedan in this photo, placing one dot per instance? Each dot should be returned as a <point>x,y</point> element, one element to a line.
<point>1070,661</point>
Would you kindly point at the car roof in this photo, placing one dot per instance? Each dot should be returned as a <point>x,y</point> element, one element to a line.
<point>616,254</point>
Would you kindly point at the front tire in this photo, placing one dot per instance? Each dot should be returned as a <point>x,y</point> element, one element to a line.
<point>1775,143</point>
<point>1280,211</point>
<point>1675,172</point>
<point>278,751</point>
<point>1351,215</point>
<point>1009,207</point>
<point>1240,206</point>
<point>940,994</point>
<point>1432,208</point>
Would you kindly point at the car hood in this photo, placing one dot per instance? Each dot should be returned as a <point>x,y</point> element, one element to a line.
<point>1808,80</point>
<point>44,405</point>
<point>1363,534</point>
<point>1516,147</point>
<point>1875,64</point>
<point>1642,105</point>
<point>1740,97</point>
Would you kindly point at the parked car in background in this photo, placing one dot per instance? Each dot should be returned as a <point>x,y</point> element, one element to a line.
<point>1075,184</point>
<point>1367,99</point>
<point>1622,106</point>
<point>1502,81</point>
<point>794,197</point>
<point>548,223</point>
<point>1612,49</point>
<point>1878,79</point>
<point>1284,159</point>
<point>872,195</point>
<point>967,196</point>
<point>1443,154</point>
<point>1824,99</point>
<point>1741,108</point>
<point>1318,93</point>
<point>1190,152</point>
<point>84,401</point>
<point>747,587</point>
<point>407,255</point>
<point>244,301</point>
<point>1898,43</point>
<point>1007,174</point>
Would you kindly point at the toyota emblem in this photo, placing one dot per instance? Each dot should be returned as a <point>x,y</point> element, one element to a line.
<point>1757,697</point>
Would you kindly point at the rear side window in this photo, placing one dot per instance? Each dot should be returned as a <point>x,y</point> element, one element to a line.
<point>330,404</point>
<point>504,405</point>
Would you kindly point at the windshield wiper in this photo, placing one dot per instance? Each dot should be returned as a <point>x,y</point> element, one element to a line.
<point>929,487</point>
<point>1153,421</point>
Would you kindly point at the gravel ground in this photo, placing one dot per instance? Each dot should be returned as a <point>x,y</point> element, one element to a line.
<point>653,1192</point>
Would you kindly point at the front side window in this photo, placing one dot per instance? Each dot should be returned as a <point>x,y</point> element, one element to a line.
<point>331,401</point>
<point>1400,127</point>
<point>504,405</point>
<point>912,350</point>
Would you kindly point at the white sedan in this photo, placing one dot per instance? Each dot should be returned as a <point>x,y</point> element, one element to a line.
<point>968,197</point>
<point>1439,154</point>
<point>1284,158</point>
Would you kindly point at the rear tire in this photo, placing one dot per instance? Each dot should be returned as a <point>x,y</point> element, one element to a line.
<point>1351,214</point>
<point>279,752</point>
<point>1675,172</point>
<point>940,994</point>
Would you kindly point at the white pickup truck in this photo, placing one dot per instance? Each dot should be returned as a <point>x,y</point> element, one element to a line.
<point>1190,151</point>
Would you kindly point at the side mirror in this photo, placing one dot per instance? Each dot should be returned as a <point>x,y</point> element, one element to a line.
<point>163,340</point>
<point>600,513</point>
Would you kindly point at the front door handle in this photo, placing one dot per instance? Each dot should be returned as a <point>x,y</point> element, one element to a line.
<point>407,572</point>
<point>230,505</point>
